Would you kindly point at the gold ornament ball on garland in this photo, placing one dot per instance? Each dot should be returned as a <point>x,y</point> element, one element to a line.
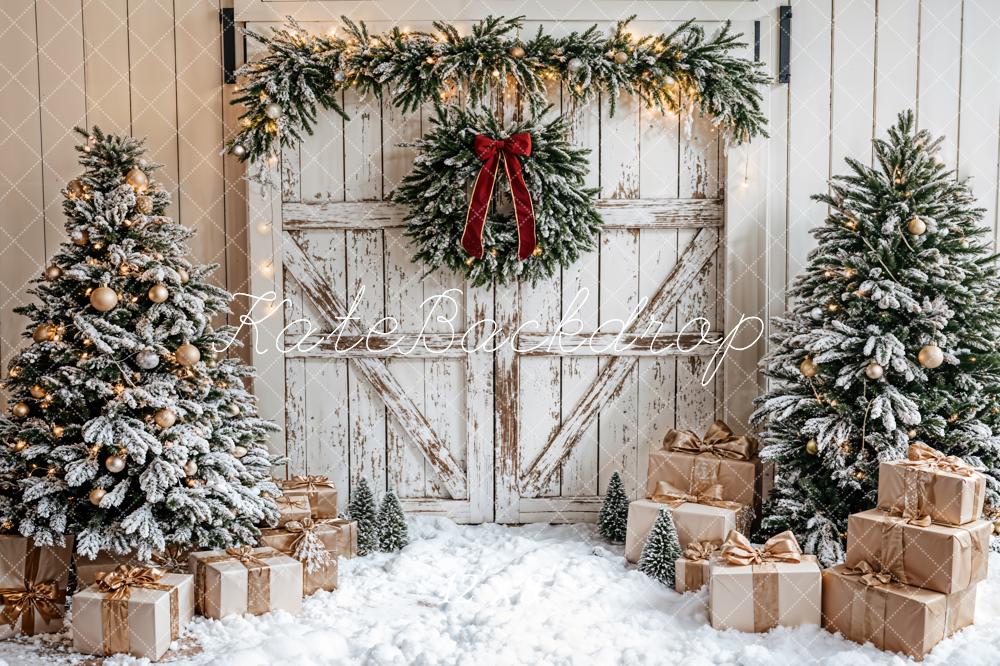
<point>158,293</point>
<point>96,495</point>
<point>517,51</point>
<point>621,57</point>
<point>20,409</point>
<point>53,273</point>
<point>916,226</point>
<point>874,371</point>
<point>187,355</point>
<point>808,367</point>
<point>104,299</point>
<point>930,356</point>
<point>812,448</point>
<point>165,417</point>
<point>115,464</point>
<point>37,391</point>
<point>144,204</point>
<point>43,332</point>
<point>80,237</point>
<point>137,180</point>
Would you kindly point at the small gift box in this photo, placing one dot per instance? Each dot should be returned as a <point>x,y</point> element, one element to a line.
<point>755,590</point>
<point>314,544</point>
<point>946,488</point>
<point>865,606</point>
<point>318,491</point>
<point>916,552</point>
<point>720,457</point>
<point>347,536</point>
<point>696,517</point>
<point>245,580</point>
<point>173,559</point>
<point>32,585</point>
<point>292,507</point>
<point>88,569</point>
<point>692,571</point>
<point>135,610</point>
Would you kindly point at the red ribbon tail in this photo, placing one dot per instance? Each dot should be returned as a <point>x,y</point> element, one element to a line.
<point>479,205</point>
<point>524,211</point>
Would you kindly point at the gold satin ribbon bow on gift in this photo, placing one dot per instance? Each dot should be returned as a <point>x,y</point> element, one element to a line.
<point>718,441</point>
<point>921,456</point>
<point>710,495</point>
<point>311,482</point>
<point>867,574</point>
<point>908,515</point>
<point>173,559</point>
<point>114,607</point>
<point>246,556</point>
<point>738,551</point>
<point>38,598</point>
<point>308,548</point>
<point>698,551</point>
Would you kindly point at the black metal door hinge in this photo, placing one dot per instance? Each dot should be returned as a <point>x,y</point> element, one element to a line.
<point>228,18</point>
<point>784,43</point>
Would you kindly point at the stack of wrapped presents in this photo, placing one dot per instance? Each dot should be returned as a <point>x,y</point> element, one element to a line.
<point>913,563</point>
<point>712,485</point>
<point>139,608</point>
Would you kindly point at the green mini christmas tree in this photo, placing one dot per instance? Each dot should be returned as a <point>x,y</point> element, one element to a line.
<point>892,338</point>
<point>393,534</point>
<point>127,428</point>
<point>612,519</point>
<point>361,509</point>
<point>659,556</point>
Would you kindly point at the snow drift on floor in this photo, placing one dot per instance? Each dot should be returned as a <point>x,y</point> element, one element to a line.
<point>537,594</point>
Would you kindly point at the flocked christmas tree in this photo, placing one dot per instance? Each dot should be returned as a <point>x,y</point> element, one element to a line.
<point>659,556</point>
<point>892,338</point>
<point>127,427</point>
<point>392,532</point>
<point>612,519</point>
<point>361,509</point>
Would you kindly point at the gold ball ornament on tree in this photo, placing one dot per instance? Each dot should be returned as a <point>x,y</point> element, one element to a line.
<point>238,151</point>
<point>190,468</point>
<point>808,367</point>
<point>96,495</point>
<point>114,464</point>
<point>158,293</point>
<point>80,237</point>
<point>75,189</point>
<point>516,51</point>
<point>187,355</point>
<point>43,332</point>
<point>874,371</point>
<point>916,226</point>
<point>103,299</point>
<point>239,451</point>
<point>144,204</point>
<point>233,410</point>
<point>621,57</point>
<point>20,409</point>
<point>812,447</point>
<point>37,391</point>
<point>53,273</point>
<point>137,180</point>
<point>183,275</point>
<point>930,356</point>
<point>165,417</point>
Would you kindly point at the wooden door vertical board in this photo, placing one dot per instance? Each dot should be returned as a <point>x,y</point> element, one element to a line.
<point>106,60</point>
<point>362,148</point>
<point>297,384</point>
<point>853,97</point>
<point>480,433</point>
<point>776,178</point>
<point>940,82</point>
<point>22,232</point>
<point>980,111</point>
<point>152,71</point>
<point>62,99</point>
<point>322,160</point>
<point>898,47</point>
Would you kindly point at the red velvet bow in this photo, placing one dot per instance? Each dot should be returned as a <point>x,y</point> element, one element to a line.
<point>491,152</point>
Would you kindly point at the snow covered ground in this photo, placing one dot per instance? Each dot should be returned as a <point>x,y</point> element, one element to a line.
<point>489,594</point>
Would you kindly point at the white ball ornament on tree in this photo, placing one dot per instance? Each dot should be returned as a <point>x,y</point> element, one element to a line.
<point>874,371</point>
<point>273,110</point>
<point>339,76</point>
<point>183,275</point>
<point>621,57</point>
<point>187,355</point>
<point>114,464</point>
<point>574,65</point>
<point>190,468</point>
<point>930,356</point>
<point>103,299</point>
<point>239,151</point>
<point>233,410</point>
<point>239,451</point>
<point>147,359</point>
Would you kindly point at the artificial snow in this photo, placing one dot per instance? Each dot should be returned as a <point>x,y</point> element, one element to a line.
<point>489,594</point>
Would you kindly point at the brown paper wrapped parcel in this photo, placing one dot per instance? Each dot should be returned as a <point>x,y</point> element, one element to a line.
<point>946,488</point>
<point>292,507</point>
<point>312,543</point>
<point>691,572</point>
<point>318,491</point>
<point>134,610</point>
<point>700,517</point>
<point>347,536</point>
<point>917,552</point>
<point>720,457</point>
<point>866,606</point>
<point>88,569</point>
<point>32,585</point>
<point>245,580</point>
<point>756,589</point>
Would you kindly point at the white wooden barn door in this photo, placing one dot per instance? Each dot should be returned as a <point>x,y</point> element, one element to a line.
<point>506,435</point>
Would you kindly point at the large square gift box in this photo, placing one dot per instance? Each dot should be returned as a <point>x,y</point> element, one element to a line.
<point>315,544</point>
<point>687,461</point>
<point>32,585</point>
<point>865,606</point>
<point>134,610</point>
<point>319,493</point>
<point>171,560</point>
<point>918,552</point>
<point>697,517</point>
<point>945,488</point>
<point>755,590</point>
<point>245,580</point>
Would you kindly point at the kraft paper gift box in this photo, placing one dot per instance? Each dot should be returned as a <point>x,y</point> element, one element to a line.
<point>946,488</point>
<point>691,572</point>
<point>292,507</point>
<point>695,522</point>
<point>245,580</point>
<point>347,536</point>
<point>936,557</point>
<point>864,606</point>
<point>134,610</point>
<point>720,457</point>
<point>87,569</point>
<point>315,545</point>
<point>318,491</point>
<point>755,590</point>
<point>33,583</point>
